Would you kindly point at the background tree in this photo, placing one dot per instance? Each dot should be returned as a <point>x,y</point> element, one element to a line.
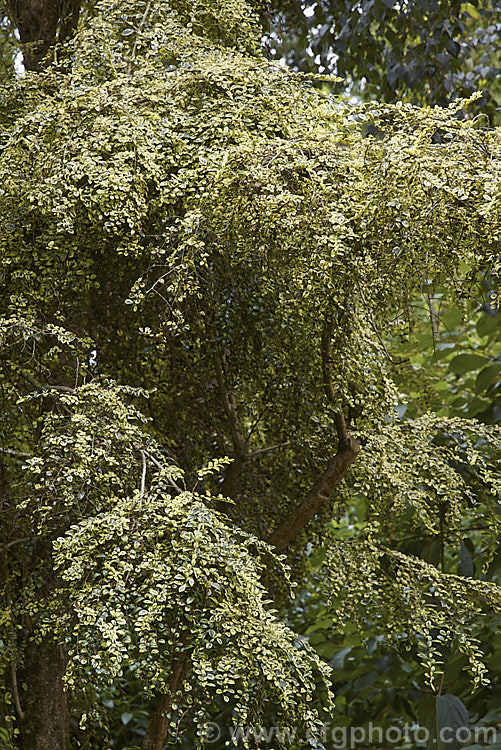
<point>187,226</point>
<point>423,52</point>
<point>39,25</point>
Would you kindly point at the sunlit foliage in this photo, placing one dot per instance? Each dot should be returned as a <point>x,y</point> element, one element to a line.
<point>187,225</point>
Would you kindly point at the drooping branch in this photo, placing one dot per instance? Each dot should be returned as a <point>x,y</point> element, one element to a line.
<point>322,490</point>
<point>326,351</point>
<point>228,487</point>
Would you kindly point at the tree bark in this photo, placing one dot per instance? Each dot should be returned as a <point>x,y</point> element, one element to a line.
<point>319,494</point>
<point>230,483</point>
<point>159,728</point>
<point>37,22</point>
<point>347,451</point>
<point>46,721</point>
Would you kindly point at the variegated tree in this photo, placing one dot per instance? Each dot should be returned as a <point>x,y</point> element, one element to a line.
<point>206,261</point>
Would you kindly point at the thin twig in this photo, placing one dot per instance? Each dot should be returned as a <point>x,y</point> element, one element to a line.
<point>376,331</point>
<point>441,683</point>
<point>134,48</point>
<point>341,429</point>
<point>268,448</point>
<point>15,691</point>
<point>143,475</point>
<point>162,469</point>
<point>434,320</point>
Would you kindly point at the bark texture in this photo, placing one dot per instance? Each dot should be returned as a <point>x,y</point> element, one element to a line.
<point>318,496</point>
<point>159,729</point>
<point>46,721</point>
<point>42,23</point>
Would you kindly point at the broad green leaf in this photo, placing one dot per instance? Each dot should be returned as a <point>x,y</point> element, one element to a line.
<point>466,561</point>
<point>487,377</point>
<point>466,362</point>
<point>451,717</point>
<point>488,324</point>
<point>337,661</point>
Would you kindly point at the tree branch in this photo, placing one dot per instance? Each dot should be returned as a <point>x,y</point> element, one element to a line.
<point>40,387</point>
<point>316,498</point>
<point>13,542</point>
<point>229,484</point>
<point>157,732</point>
<point>37,23</point>
<point>15,691</point>
<point>321,492</point>
<point>159,466</point>
<point>268,448</point>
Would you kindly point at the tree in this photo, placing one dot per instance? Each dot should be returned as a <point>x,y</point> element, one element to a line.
<point>205,256</point>
<point>424,51</point>
<point>39,25</point>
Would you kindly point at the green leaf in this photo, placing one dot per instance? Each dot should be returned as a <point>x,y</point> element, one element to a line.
<point>466,566</point>
<point>487,376</point>
<point>443,350</point>
<point>466,362</point>
<point>365,681</point>
<point>451,716</point>
<point>488,324</point>
<point>337,661</point>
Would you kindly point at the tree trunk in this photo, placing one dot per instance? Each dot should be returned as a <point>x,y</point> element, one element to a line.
<point>40,24</point>
<point>159,729</point>
<point>46,721</point>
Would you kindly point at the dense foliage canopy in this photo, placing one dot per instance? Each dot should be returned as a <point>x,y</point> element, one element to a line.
<point>205,256</point>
